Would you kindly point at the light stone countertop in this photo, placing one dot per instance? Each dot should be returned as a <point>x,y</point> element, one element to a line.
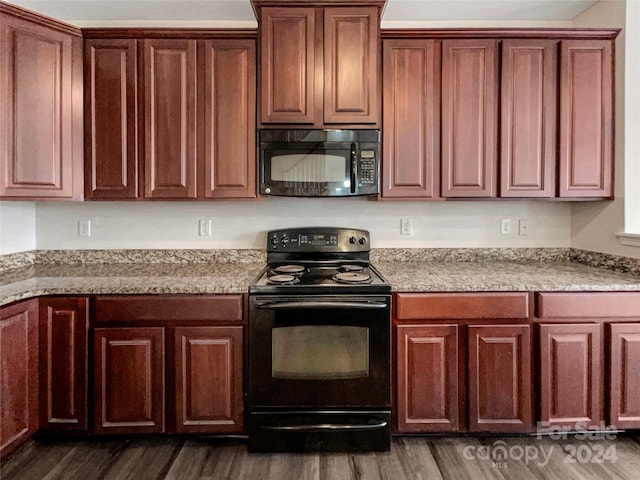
<point>228,272</point>
<point>213,278</point>
<point>420,276</point>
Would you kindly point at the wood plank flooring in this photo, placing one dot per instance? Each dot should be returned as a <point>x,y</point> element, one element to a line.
<point>415,458</point>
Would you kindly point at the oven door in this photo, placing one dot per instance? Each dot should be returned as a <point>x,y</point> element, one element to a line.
<point>319,351</point>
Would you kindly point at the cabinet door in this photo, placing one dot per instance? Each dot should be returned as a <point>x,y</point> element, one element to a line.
<point>64,331</point>
<point>111,146</point>
<point>129,380</point>
<point>570,374</point>
<point>208,379</point>
<point>230,119</point>
<point>500,378</point>
<point>287,66</point>
<point>469,118</point>
<point>529,112</point>
<point>586,118</point>
<point>427,378</point>
<point>351,38</point>
<point>411,105</point>
<point>624,402</point>
<point>18,375</point>
<point>170,118</point>
<point>40,112</point>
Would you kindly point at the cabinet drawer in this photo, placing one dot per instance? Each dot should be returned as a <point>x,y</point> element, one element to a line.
<point>168,308</point>
<point>416,306</point>
<point>588,305</point>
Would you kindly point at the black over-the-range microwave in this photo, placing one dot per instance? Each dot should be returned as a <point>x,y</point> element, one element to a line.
<point>319,163</point>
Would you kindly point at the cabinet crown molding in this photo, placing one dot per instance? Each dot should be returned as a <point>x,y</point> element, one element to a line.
<point>43,20</point>
<point>501,33</point>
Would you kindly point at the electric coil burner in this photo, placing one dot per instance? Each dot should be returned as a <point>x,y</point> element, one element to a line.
<point>319,345</point>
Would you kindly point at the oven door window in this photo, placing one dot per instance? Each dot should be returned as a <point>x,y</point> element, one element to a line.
<point>320,352</point>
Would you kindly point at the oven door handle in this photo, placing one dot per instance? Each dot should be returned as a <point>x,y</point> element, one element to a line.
<point>321,305</point>
<point>325,426</point>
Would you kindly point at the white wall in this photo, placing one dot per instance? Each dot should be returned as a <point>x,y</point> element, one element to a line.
<point>17,227</point>
<point>244,224</point>
<point>594,225</point>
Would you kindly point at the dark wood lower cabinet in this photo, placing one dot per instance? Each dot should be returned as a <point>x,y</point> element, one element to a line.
<point>570,375</point>
<point>624,399</point>
<point>427,378</point>
<point>129,380</point>
<point>500,374</point>
<point>208,379</point>
<point>18,375</point>
<point>64,331</point>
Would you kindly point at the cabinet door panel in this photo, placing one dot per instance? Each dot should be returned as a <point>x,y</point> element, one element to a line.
<point>351,65</point>
<point>38,153</point>
<point>469,118</point>
<point>170,118</point>
<point>586,118</point>
<point>570,376</point>
<point>64,330</point>
<point>500,378</point>
<point>111,163</point>
<point>129,380</point>
<point>208,379</point>
<point>625,375</point>
<point>18,375</point>
<point>411,105</point>
<point>427,378</point>
<point>287,65</point>
<point>230,150</point>
<point>528,135</point>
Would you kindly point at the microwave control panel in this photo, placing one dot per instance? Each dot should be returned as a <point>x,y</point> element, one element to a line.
<point>368,168</point>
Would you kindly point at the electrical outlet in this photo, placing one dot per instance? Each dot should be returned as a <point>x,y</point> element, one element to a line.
<point>523,227</point>
<point>406,226</point>
<point>204,228</point>
<point>505,226</point>
<point>84,228</point>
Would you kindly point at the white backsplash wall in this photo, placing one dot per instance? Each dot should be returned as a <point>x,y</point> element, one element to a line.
<point>244,224</point>
<point>17,227</point>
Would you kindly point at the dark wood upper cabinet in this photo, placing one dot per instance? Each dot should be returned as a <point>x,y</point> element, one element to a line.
<point>586,118</point>
<point>230,118</point>
<point>427,378</point>
<point>624,391</point>
<point>208,379</point>
<point>111,118</point>
<point>500,385</point>
<point>351,60</point>
<point>319,66</point>
<point>287,65</point>
<point>41,110</point>
<point>528,115</point>
<point>129,380</point>
<point>570,374</point>
<point>64,332</point>
<point>469,117</point>
<point>170,72</point>
<point>18,375</point>
<point>411,106</point>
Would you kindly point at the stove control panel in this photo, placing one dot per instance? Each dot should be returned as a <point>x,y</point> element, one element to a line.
<point>318,239</point>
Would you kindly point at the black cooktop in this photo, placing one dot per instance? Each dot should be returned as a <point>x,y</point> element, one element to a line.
<point>319,260</point>
<point>314,278</point>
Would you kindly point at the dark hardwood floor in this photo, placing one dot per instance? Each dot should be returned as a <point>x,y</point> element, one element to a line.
<point>433,458</point>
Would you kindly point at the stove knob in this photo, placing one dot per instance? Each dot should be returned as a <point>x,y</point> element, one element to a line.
<point>352,240</point>
<point>362,241</point>
<point>274,241</point>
